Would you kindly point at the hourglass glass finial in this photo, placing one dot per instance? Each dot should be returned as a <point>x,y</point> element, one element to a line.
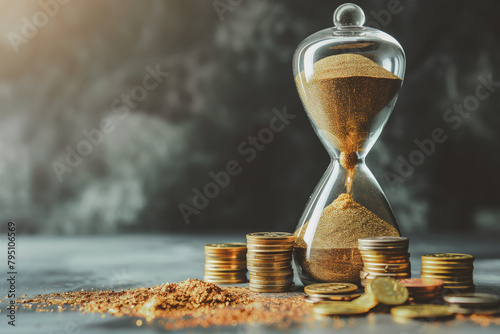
<point>348,14</point>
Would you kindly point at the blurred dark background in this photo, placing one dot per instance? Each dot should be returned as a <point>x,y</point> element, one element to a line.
<point>229,65</point>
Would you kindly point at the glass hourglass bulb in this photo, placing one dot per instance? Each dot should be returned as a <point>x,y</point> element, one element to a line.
<point>348,78</point>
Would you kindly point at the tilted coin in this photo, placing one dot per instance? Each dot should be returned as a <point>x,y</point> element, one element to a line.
<point>422,311</point>
<point>388,291</point>
<point>338,308</point>
<point>330,288</point>
<point>367,300</point>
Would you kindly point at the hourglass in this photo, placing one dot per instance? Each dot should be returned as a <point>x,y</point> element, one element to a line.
<point>348,78</point>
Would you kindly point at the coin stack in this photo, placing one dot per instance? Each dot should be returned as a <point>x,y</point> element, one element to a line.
<point>454,269</point>
<point>269,261</point>
<point>321,292</point>
<point>384,257</point>
<point>423,290</point>
<point>225,263</point>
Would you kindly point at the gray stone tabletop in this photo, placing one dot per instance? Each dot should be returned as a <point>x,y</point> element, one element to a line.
<point>47,264</point>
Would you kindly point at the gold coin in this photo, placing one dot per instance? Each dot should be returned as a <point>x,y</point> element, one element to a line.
<point>270,256</point>
<point>225,277</point>
<point>225,267</point>
<point>384,249</point>
<point>330,288</point>
<point>284,275</point>
<point>379,258</point>
<point>422,311</point>
<point>448,271</point>
<point>333,297</point>
<point>373,275</point>
<point>388,291</point>
<point>446,277</point>
<point>269,286</point>
<point>226,263</point>
<point>268,270</point>
<point>383,252</point>
<point>465,288</point>
<point>269,261</point>
<point>269,266</point>
<point>270,273</point>
<point>272,282</point>
<point>445,257</point>
<point>386,270</point>
<point>388,265</point>
<point>226,257</point>
<point>271,235</point>
<point>226,281</point>
<point>387,261</point>
<point>367,300</point>
<point>276,289</point>
<point>382,239</point>
<point>448,265</point>
<point>473,300</point>
<point>268,249</point>
<point>338,308</point>
<point>226,245</point>
<point>313,300</point>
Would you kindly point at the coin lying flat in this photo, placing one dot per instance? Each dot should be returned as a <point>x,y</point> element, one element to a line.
<point>467,310</point>
<point>473,300</point>
<point>388,291</point>
<point>444,257</point>
<point>225,246</point>
<point>323,298</point>
<point>270,235</point>
<point>422,311</point>
<point>384,239</point>
<point>330,288</point>
<point>338,308</point>
<point>421,282</point>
